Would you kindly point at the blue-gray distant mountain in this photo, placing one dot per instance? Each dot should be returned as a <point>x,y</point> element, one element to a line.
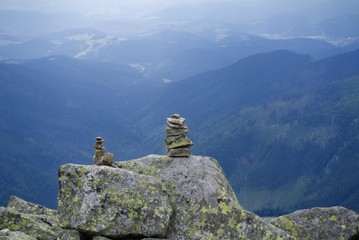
<point>283,126</point>
<point>52,109</point>
<point>165,55</point>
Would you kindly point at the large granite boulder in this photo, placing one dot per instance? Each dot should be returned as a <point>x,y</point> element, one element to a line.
<point>112,202</point>
<point>335,223</point>
<point>204,204</point>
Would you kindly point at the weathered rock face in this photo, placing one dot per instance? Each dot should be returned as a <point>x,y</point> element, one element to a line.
<point>31,219</point>
<point>25,220</point>
<point>6,234</point>
<point>204,204</point>
<point>112,202</point>
<point>31,224</point>
<point>320,223</point>
<point>161,197</point>
<point>47,215</point>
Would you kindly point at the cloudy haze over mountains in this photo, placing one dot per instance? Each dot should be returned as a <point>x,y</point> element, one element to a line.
<point>257,6</point>
<point>269,88</point>
<point>244,14</point>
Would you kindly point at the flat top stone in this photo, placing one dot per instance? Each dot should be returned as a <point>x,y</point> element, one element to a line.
<point>175,115</point>
<point>176,121</point>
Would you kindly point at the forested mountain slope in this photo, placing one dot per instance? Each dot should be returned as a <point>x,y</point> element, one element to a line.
<point>283,126</point>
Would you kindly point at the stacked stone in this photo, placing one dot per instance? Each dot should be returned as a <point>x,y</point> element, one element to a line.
<point>102,157</point>
<point>176,142</point>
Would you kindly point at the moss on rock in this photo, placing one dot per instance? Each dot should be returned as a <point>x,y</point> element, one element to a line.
<point>319,223</point>
<point>204,204</point>
<point>6,234</point>
<point>112,202</point>
<point>48,215</point>
<point>29,224</point>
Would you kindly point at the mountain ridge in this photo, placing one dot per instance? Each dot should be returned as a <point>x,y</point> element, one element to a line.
<point>263,127</point>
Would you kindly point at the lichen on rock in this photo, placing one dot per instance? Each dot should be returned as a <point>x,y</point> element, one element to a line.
<point>160,197</point>
<point>29,224</point>
<point>204,204</point>
<point>112,202</point>
<point>333,223</point>
<point>47,215</point>
<point>6,234</point>
<point>25,220</point>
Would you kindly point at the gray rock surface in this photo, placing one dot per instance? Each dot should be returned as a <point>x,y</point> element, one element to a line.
<point>32,225</point>
<point>100,238</point>
<point>204,204</point>
<point>6,234</point>
<point>47,215</point>
<point>68,234</point>
<point>335,223</point>
<point>112,202</point>
<point>160,197</point>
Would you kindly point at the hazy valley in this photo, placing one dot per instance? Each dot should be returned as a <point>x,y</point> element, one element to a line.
<point>277,106</point>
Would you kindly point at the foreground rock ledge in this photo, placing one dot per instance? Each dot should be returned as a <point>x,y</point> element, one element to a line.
<point>112,202</point>
<point>189,196</point>
<point>22,220</point>
<point>157,197</point>
<point>320,223</point>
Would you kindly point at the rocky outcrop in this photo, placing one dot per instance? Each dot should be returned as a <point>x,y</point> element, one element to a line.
<point>333,223</point>
<point>204,204</point>
<point>157,197</point>
<point>160,197</point>
<point>24,220</point>
<point>112,202</point>
<point>6,234</point>
<point>47,215</point>
<point>31,224</point>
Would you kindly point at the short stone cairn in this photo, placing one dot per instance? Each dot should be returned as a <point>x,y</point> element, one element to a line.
<point>101,157</point>
<point>176,142</point>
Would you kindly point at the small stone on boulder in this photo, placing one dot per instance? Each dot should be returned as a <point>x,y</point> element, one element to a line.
<point>179,152</point>
<point>102,157</point>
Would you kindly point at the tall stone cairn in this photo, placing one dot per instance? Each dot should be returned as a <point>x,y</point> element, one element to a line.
<point>176,142</point>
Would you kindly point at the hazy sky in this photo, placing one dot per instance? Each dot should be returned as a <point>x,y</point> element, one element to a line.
<point>138,6</point>
<point>92,5</point>
<point>90,13</point>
